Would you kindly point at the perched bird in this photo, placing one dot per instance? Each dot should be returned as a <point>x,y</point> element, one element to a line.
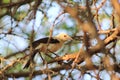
<point>55,44</point>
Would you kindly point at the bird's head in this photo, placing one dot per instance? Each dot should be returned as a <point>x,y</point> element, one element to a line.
<point>63,37</point>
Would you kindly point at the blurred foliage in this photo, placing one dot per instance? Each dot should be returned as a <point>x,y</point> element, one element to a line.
<point>16,68</point>
<point>20,15</point>
<point>32,20</point>
<point>5,1</point>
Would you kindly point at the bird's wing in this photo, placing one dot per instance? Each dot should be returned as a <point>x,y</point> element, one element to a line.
<point>44,40</point>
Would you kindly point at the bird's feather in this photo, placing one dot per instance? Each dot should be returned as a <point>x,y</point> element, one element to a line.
<point>44,40</point>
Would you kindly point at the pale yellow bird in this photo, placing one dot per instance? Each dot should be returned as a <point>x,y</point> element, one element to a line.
<point>55,44</point>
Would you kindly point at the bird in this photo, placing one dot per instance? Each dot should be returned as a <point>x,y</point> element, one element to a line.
<point>55,43</point>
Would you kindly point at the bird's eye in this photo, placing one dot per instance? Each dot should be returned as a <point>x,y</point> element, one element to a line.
<point>65,36</point>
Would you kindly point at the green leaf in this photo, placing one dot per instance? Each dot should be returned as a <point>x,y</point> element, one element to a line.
<point>6,1</point>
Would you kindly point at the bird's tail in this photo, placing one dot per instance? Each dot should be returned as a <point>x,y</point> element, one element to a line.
<point>30,60</point>
<point>27,64</point>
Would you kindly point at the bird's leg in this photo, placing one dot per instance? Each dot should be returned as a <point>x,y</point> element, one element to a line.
<point>53,53</point>
<point>42,58</point>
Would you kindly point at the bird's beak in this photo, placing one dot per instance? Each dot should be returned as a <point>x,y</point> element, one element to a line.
<point>70,38</point>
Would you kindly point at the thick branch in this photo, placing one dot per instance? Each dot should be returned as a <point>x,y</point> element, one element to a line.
<point>39,72</point>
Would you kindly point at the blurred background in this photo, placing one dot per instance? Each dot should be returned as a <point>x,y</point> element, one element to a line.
<point>25,21</point>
